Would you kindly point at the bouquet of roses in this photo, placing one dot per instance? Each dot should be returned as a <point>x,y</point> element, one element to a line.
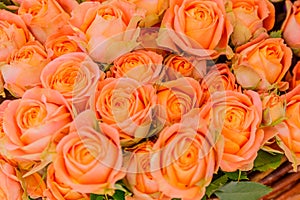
<point>138,99</point>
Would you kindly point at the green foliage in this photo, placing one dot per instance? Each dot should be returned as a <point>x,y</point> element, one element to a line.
<point>242,191</point>
<point>4,6</point>
<point>216,184</point>
<point>276,34</point>
<point>265,161</point>
<point>237,175</point>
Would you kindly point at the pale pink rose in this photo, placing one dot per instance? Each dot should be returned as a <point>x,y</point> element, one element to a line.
<point>65,40</point>
<point>185,158</point>
<point>26,62</point>
<point>250,18</point>
<point>43,17</point>
<point>89,158</point>
<point>127,105</point>
<point>141,65</point>
<point>31,123</point>
<point>58,190</point>
<point>262,63</point>
<point>178,97</point>
<point>199,28</point>
<point>291,26</point>
<point>10,186</point>
<point>288,130</point>
<point>74,75</point>
<point>110,27</point>
<point>13,34</point>
<point>237,116</point>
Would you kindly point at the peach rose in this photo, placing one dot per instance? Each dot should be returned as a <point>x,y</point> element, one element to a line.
<point>28,61</point>
<point>143,66</point>
<point>74,75</point>
<point>184,159</point>
<point>262,63</point>
<point>13,34</point>
<point>296,76</point>
<point>178,97</point>
<point>34,185</point>
<point>59,190</point>
<point>110,27</point>
<point>288,130</point>
<point>10,187</point>
<point>291,26</point>
<point>89,158</point>
<point>31,123</point>
<point>127,105</point>
<point>43,17</point>
<point>219,78</point>
<point>177,66</point>
<point>196,27</point>
<point>155,10</point>
<point>237,116</point>
<point>250,18</point>
<point>65,40</point>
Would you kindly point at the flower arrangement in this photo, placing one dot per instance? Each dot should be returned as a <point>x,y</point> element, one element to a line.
<point>116,99</point>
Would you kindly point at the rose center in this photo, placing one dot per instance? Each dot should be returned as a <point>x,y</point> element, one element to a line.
<point>24,55</point>
<point>234,118</point>
<point>108,13</point>
<point>31,116</point>
<point>63,47</point>
<point>202,14</point>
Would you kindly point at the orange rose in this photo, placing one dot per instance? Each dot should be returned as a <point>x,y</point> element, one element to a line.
<point>59,190</point>
<point>296,76</point>
<point>237,116</point>
<point>250,18</point>
<point>291,26</point>
<point>196,27</point>
<point>184,159</point>
<point>10,187</point>
<point>31,123</point>
<point>89,158</point>
<point>43,17</point>
<point>110,27</point>
<point>34,185</point>
<point>74,75</point>
<point>178,66</point>
<point>262,63</point>
<point>288,130</point>
<point>143,66</point>
<point>127,105</point>
<point>65,40</point>
<point>178,97</point>
<point>219,78</point>
<point>28,61</point>
<point>13,34</point>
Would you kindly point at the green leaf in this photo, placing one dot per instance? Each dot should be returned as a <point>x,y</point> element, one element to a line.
<point>242,191</point>
<point>119,195</point>
<point>276,34</point>
<point>96,197</point>
<point>216,184</point>
<point>265,161</point>
<point>3,6</point>
<point>237,175</point>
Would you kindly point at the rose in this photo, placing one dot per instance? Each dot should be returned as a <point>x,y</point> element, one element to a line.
<point>196,27</point>
<point>143,66</point>
<point>250,18</point>
<point>58,190</point>
<point>26,62</point>
<point>294,77</point>
<point>291,26</point>
<point>178,97</point>
<point>184,159</point>
<point>288,130</point>
<point>110,27</point>
<point>34,185</point>
<point>89,158</point>
<point>219,78</point>
<point>138,176</point>
<point>237,117</point>
<point>74,75</point>
<point>177,66</point>
<point>127,105</point>
<point>13,34</point>
<point>155,10</point>
<point>43,17</point>
<point>10,187</point>
<point>262,63</point>
<point>31,123</point>
<point>65,40</point>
